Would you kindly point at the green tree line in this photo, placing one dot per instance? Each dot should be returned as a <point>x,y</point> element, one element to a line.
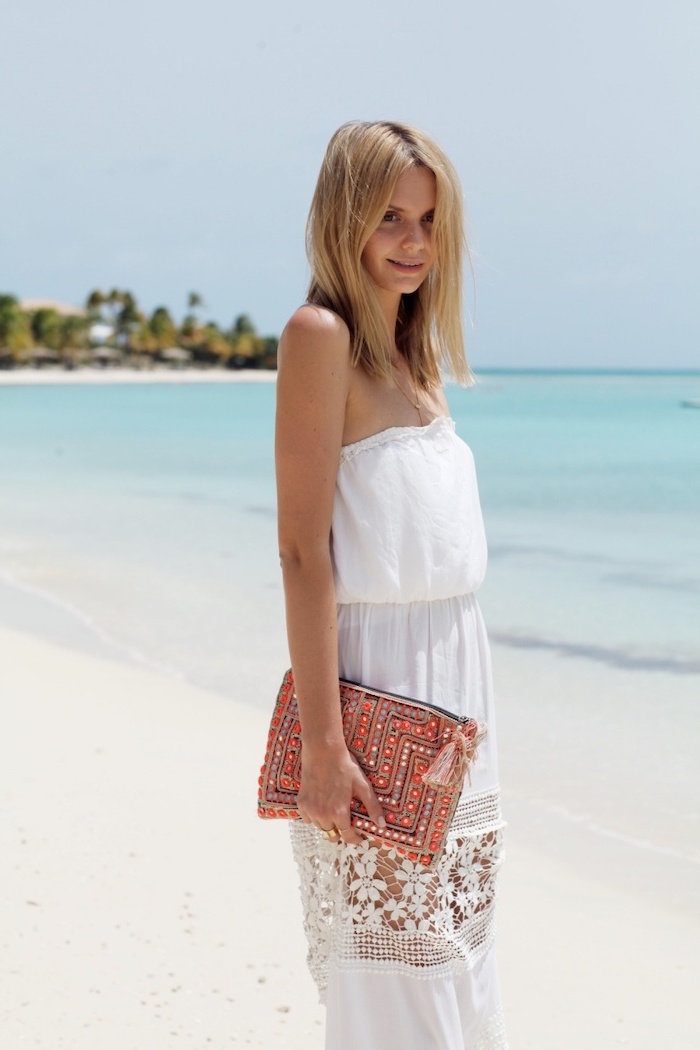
<point>35,337</point>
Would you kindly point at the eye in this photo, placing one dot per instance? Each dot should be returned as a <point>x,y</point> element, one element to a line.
<point>390,216</point>
<point>429,217</point>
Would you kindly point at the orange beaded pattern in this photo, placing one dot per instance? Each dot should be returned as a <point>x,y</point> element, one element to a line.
<point>414,755</point>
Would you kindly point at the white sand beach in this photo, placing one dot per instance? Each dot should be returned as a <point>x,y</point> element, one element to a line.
<point>144,904</point>
<point>89,376</point>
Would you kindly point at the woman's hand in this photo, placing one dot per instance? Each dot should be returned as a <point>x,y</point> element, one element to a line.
<point>330,779</point>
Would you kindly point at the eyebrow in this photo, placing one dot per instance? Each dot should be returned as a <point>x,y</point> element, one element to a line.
<point>395,207</point>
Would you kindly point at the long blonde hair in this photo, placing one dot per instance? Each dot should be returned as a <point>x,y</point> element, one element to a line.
<point>359,172</point>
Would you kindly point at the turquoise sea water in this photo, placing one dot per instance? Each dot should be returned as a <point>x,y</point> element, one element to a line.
<point>148,513</point>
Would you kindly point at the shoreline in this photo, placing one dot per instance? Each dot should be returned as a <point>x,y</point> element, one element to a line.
<point>561,721</point>
<point>92,375</point>
<point>96,376</point>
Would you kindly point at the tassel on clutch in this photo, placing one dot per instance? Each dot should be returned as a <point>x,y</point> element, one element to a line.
<point>415,756</point>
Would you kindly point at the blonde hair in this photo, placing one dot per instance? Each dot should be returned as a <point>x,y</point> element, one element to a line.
<point>362,164</point>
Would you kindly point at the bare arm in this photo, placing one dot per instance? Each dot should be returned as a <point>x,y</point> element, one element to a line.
<point>312,390</point>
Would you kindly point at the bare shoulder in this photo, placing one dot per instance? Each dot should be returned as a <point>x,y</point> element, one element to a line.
<point>313,380</point>
<point>316,329</point>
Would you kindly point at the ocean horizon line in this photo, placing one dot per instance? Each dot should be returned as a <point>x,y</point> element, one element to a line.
<point>576,371</point>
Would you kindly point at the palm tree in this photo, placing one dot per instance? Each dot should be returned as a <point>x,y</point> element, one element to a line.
<point>73,339</point>
<point>128,318</point>
<point>15,331</point>
<point>114,301</point>
<point>163,328</point>
<point>243,326</point>
<point>191,330</point>
<point>95,301</point>
<point>46,325</point>
<point>194,301</point>
<point>9,308</point>
<point>74,333</point>
<point>248,347</point>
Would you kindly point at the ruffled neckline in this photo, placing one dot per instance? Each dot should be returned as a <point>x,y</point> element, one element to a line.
<point>383,437</point>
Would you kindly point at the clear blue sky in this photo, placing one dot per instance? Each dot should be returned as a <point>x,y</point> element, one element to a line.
<point>168,146</point>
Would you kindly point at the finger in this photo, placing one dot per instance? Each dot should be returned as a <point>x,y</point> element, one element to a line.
<point>371,804</point>
<point>351,836</point>
<point>354,840</point>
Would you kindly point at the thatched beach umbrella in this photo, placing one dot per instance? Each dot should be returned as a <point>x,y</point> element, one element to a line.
<point>41,355</point>
<point>106,355</point>
<point>176,356</point>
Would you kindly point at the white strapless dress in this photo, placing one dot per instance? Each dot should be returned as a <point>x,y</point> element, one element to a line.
<point>404,957</point>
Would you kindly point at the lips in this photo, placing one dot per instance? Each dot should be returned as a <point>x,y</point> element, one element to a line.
<point>409,265</point>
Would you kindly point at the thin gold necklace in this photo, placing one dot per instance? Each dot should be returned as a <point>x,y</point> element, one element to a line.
<point>416,403</point>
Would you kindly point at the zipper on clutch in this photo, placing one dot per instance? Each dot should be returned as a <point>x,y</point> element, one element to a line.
<point>462,719</point>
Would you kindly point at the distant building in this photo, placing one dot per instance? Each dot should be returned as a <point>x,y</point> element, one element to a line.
<point>64,309</point>
<point>100,332</point>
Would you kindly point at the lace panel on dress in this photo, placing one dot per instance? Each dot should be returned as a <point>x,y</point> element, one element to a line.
<point>493,1034</point>
<point>367,907</point>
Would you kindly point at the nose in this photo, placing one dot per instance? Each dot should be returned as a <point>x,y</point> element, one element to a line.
<point>414,234</point>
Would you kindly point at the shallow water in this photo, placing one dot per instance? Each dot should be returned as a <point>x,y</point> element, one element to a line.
<point>591,492</point>
<point>148,511</point>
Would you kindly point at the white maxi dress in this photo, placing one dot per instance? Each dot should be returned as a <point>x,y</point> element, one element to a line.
<point>404,957</point>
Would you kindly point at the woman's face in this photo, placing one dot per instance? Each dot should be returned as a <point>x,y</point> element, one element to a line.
<point>400,252</point>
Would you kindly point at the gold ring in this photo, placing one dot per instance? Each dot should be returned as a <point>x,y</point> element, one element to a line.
<point>331,834</point>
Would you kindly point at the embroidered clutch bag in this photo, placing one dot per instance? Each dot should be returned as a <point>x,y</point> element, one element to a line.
<point>414,755</point>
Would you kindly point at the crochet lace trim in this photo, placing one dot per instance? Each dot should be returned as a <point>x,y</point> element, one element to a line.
<point>367,907</point>
<point>493,1034</point>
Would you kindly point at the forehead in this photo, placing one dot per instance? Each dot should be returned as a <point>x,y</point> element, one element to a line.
<point>415,189</point>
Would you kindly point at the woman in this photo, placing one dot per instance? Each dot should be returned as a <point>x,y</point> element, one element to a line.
<point>382,547</point>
